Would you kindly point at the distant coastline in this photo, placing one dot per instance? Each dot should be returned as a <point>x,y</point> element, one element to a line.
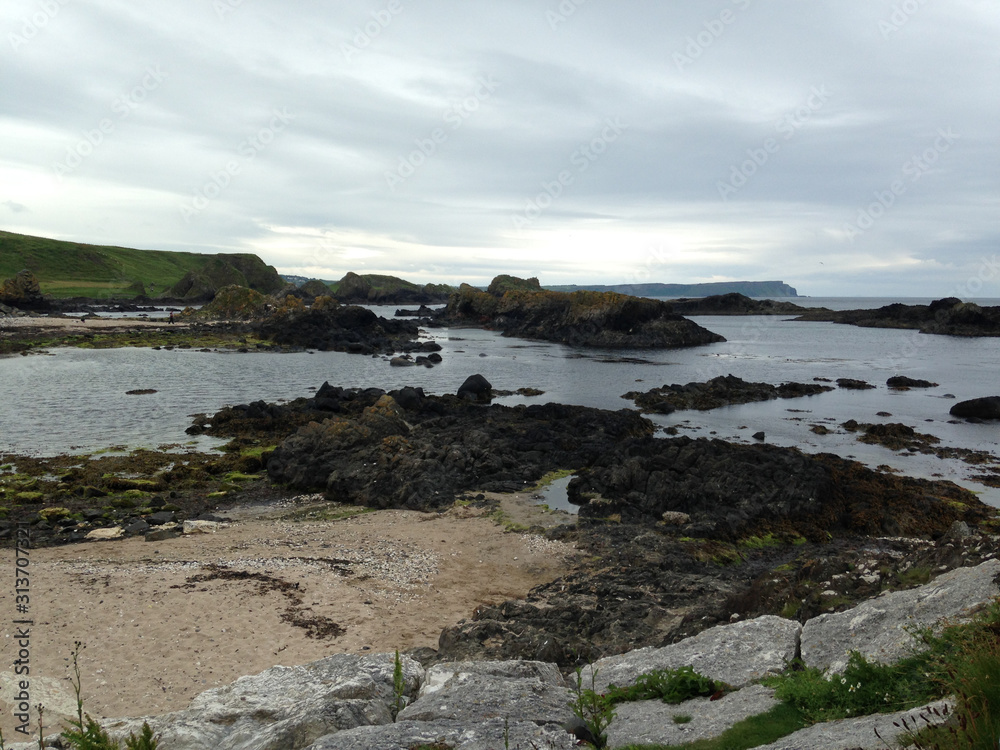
<point>748,288</point>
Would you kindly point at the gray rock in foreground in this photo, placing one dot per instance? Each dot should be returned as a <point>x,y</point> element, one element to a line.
<point>284,708</point>
<point>460,735</point>
<point>736,654</point>
<point>879,628</point>
<point>345,702</point>
<point>859,734</point>
<point>475,691</point>
<point>652,722</point>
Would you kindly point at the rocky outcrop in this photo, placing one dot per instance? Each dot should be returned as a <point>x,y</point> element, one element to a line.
<point>853,384</point>
<point>334,327</point>
<point>222,270</point>
<point>590,319</point>
<point>732,490</point>
<point>881,629</point>
<point>474,691</point>
<point>23,291</point>
<point>902,382</point>
<point>419,452</point>
<point>737,655</point>
<point>987,407</point>
<point>652,722</point>
<point>735,304</point>
<point>504,283</point>
<point>724,390</point>
<point>373,289</point>
<point>235,302</point>
<point>949,316</point>
<point>285,708</point>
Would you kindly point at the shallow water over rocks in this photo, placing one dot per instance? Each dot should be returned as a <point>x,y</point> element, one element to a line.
<point>77,400</point>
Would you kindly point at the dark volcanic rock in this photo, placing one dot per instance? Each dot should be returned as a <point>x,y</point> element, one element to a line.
<point>948,316</point>
<point>720,391</point>
<point>592,319</point>
<point>901,381</point>
<point>987,407</point>
<point>476,388</point>
<point>854,384</point>
<point>730,491</point>
<point>735,304</point>
<point>338,328</point>
<point>379,454</point>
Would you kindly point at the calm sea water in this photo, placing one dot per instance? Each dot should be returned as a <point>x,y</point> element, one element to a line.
<point>74,400</point>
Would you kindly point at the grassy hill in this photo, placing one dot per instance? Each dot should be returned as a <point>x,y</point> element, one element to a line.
<point>73,269</point>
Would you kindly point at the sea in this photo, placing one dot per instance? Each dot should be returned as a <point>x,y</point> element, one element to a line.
<point>76,400</point>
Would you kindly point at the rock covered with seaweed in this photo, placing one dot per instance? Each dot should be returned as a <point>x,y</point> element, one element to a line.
<point>592,319</point>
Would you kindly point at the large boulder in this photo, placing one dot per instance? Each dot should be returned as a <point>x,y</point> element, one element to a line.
<point>987,407</point>
<point>474,691</point>
<point>284,708</point>
<point>652,722</point>
<point>23,291</point>
<point>476,388</point>
<point>880,629</point>
<point>736,654</point>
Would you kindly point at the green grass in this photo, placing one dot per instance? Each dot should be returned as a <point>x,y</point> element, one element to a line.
<point>668,685</point>
<point>73,269</point>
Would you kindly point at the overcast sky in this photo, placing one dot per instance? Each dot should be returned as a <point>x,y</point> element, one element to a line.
<point>847,147</point>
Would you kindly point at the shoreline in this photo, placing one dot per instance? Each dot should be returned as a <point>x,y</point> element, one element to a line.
<point>161,624</point>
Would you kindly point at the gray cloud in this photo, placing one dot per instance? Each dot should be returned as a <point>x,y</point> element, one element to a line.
<point>452,141</point>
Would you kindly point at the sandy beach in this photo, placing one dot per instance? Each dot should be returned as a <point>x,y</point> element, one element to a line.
<point>163,621</point>
<point>78,325</point>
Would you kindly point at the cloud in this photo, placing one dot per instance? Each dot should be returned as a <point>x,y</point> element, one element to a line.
<point>420,133</point>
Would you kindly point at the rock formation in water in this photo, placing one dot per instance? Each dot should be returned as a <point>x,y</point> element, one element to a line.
<point>949,316</point>
<point>592,319</point>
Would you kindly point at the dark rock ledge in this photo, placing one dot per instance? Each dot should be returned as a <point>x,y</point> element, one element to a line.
<point>724,390</point>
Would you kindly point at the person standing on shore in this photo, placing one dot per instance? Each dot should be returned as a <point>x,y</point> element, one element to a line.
<point>171,318</point>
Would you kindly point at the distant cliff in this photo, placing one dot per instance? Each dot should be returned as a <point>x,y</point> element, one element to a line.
<point>749,288</point>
